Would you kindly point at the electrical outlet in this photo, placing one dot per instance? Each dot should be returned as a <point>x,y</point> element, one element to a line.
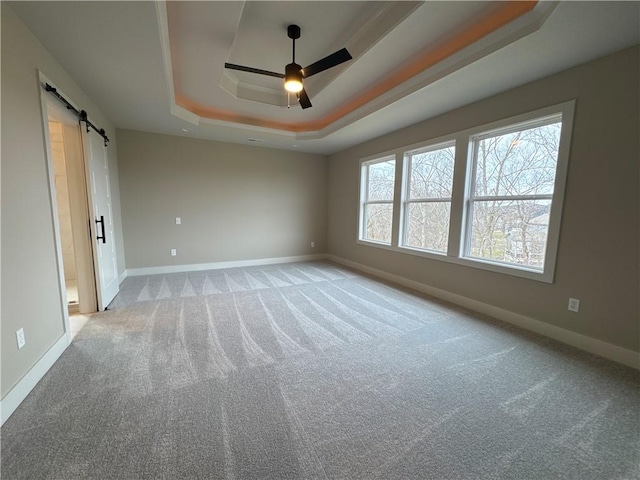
<point>178,221</point>
<point>574,305</point>
<point>20,338</point>
<point>313,244</point>
<point>174,252</point>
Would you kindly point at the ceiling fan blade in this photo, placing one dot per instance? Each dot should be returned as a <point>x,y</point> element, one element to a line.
<point>327,62</point>
<point>253,70</point>
<point>303,98</point>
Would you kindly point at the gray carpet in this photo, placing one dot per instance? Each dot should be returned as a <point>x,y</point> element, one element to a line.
<point>311,371</point>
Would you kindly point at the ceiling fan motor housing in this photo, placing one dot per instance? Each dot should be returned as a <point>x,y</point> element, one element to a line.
<point>293,70</point>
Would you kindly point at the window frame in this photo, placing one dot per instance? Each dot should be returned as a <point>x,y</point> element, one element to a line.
<point>406,193</point>
<point>459,218</point>
<point>365,163</point>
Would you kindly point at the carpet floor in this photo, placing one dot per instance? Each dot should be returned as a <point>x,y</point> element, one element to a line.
<point>312,371</point>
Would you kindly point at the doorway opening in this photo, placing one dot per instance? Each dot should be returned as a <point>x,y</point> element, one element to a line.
<point>72,207</point>
<point>61,182</point>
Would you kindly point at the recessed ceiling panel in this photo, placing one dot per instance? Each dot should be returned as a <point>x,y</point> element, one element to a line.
<point>262,42</point>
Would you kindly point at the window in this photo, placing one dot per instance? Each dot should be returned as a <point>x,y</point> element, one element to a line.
<point>489,197</point>
<point>427,205</point>
<point>511,193</point>
<point>376,207</point>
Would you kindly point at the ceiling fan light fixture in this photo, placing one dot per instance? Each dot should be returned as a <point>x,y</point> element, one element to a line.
<point>293,78</point>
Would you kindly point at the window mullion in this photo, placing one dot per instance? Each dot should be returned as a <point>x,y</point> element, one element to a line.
<point>405,193</point>
<point>397,200</point>
<point>458,194</point>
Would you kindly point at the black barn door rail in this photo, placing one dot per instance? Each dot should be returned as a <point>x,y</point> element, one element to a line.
<point>82,114</point>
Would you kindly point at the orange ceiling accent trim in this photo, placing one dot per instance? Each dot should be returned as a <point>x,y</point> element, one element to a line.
<point>226,116</point>
<point>506,13</point>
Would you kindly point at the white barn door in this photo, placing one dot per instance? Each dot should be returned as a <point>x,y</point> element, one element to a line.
<point>101,217</point>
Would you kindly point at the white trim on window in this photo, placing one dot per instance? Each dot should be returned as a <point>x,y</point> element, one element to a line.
<point>462,190</point>
<point>364,198</point>
<point>407,200</point>
<point>522,122</point>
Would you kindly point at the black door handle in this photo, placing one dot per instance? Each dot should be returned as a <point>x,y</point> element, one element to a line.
<point>103,237</point>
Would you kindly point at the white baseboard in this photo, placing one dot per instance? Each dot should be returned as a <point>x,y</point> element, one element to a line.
<point>19,392</point>
<point>196,267</point>
<point>123,275</point>
<point>583,342</point>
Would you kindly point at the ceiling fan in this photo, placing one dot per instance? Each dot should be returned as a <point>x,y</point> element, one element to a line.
<point>294,73</point>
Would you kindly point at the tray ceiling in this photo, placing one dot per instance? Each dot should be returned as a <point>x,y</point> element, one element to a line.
<point>159,66</point>
<point>397,47</point>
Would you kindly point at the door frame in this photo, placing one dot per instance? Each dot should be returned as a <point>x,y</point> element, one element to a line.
<point>49,105</point>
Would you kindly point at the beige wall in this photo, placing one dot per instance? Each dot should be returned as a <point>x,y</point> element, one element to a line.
<point>598,250</point>
<point>236,202</point>
<point>30,282</point>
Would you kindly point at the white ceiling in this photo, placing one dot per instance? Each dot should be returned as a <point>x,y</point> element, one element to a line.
<point>135,58</point>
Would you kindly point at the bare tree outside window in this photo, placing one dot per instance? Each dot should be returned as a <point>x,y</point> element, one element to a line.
<point>428,203</point>
<point>512,191</point>
<point>377,204</point>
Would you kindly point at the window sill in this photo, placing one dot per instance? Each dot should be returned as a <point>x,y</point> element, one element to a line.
<point>371,243</point>
<point>529,274</point>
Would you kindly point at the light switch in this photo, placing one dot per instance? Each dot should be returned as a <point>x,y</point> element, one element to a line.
<point>178,221</point>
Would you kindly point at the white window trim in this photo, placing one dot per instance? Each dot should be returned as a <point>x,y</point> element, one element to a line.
<point>461,186</point>
<point>431,146</point>
<point>363,194</point>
